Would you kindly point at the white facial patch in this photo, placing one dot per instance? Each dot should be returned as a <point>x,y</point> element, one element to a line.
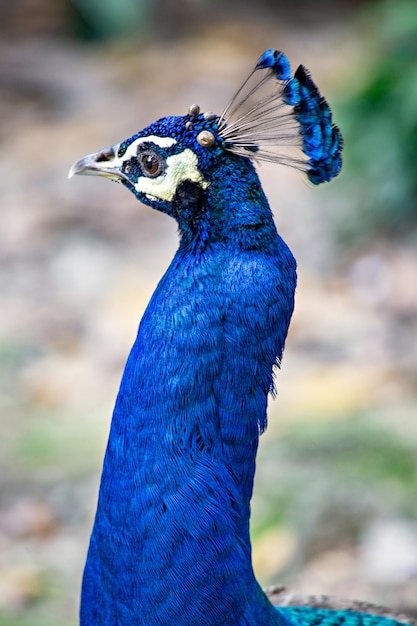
<point>180,167</point>
<point>132,149</point>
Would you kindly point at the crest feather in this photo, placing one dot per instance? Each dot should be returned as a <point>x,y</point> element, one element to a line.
<point>281,118</point>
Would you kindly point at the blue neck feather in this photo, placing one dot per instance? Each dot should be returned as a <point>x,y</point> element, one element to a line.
<point>170,542</point>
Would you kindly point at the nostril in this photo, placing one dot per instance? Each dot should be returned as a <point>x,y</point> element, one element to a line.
<point>106,155</point>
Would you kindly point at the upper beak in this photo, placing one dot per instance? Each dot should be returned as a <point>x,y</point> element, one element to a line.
<point>102,163</point>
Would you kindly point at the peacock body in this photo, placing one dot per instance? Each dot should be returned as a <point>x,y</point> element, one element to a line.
<point>170,542</point>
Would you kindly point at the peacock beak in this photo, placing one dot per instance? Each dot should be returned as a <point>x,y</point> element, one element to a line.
<point>99,164</point>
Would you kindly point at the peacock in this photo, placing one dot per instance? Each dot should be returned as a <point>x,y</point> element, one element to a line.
<point>170,543</point>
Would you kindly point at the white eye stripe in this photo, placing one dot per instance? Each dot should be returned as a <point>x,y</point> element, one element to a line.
<point>132,149</point>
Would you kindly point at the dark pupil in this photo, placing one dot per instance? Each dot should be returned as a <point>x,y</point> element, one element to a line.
<point>150,163</point>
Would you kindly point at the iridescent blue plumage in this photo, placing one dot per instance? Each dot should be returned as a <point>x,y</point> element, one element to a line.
<point>309,616</point>
<point>277,61</point>
<point>170,542</point>
<point>322,140</point>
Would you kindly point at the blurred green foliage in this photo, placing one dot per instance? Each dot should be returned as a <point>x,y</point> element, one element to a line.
<point>103,19</point>
<point>355,466</point>
<point>29,619</point>
<point>8,619</point>
<point>380,125</point>
<point>358,451</point>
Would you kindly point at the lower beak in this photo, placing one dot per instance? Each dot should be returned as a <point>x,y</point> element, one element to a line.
<point>99,164</point>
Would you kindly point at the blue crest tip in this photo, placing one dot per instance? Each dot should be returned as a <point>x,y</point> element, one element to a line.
<point>277,61</point>
<point>322,140</point>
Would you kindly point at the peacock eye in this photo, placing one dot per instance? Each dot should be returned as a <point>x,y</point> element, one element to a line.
<point>152,164</point>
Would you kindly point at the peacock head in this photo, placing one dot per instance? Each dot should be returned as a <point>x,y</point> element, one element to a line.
<point>164,161</point>
<point>274,116</point>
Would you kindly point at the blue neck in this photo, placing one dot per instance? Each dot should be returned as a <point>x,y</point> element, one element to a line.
<point>170,543</point>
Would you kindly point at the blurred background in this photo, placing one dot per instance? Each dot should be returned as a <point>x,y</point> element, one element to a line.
<point>335,506</point>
